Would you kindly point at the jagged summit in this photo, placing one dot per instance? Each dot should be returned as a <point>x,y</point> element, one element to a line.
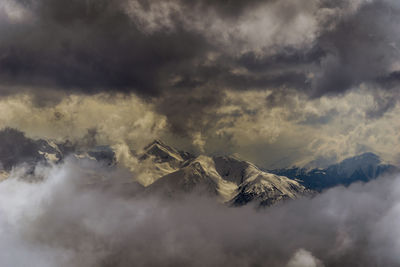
<point>155,142</point>
<point>161,160</point>
<point>161,152</point>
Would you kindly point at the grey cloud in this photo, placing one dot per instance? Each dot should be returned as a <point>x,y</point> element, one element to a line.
<point>286,58</point>
<point>229,8</point>
<point>190,111</point>
<point>382,105</point>
<point>389,81</point>
<point>318,119</point>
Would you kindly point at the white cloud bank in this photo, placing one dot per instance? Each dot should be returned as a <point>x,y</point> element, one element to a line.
<point>83,215</point>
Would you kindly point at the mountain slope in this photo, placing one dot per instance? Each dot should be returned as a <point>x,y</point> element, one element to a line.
<point>197,174</point>
<point>363,167</point>
<point>161,159</point>
<point>267,189</point>
<point>264,188</point>
<point>231,180</point>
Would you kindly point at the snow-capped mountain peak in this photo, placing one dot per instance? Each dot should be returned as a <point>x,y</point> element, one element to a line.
<point>231,179</point>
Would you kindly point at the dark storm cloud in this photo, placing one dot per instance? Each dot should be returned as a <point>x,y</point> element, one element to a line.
<point>59,47</point>
<point>286,58</point>
<point>230,8</point>
<point>283,80</point>
<point>188,111</point>
<point>94,45</point>
<point>382,104</point>
<point>360,49</point>
<point>391,80</point>
<point>90,46</point>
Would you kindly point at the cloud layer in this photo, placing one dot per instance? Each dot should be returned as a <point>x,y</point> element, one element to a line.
<point>78,216</point>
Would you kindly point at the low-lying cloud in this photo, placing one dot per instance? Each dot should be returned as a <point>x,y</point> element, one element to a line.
<point>82,215</point>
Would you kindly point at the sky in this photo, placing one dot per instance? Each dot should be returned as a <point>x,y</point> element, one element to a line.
<point>276,82</point>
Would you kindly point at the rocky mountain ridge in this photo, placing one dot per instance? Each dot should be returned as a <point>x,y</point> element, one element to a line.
<point>229,179</point>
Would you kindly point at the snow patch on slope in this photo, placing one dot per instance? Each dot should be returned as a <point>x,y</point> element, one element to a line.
<point>226,189</point>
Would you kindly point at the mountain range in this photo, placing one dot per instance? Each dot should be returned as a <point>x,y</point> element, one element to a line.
<point>229,179</point>
<point>363,168</point>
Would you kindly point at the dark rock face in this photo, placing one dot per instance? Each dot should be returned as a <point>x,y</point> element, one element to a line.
<point>231,169</point>
<point>16,148</point>
<point>186,180</point>
<point>264,200</point>
<point>103,154</point>
<point>162,153</point>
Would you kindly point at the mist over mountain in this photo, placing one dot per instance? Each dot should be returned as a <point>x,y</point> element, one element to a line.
<point>173,173</point>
